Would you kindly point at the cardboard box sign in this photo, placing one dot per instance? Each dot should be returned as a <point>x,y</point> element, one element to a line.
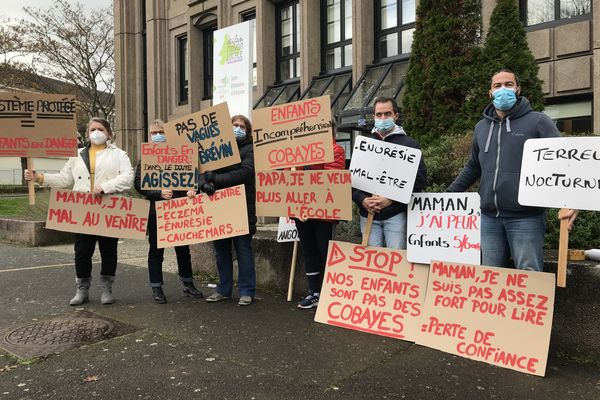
<point>37,125</point>
<point>372,289</point>
<point>315,194</point>
<point>293,134</point>
<point>500,316</point>
<point>203,218</point>
<point>111,216</point>
<point>210,129</point>
<point>167,166</point>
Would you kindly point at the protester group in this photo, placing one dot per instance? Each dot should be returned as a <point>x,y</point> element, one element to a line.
<point>510,232</point>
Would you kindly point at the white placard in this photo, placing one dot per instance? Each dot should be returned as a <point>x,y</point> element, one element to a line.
<point>232,67</point>
<point>444,226</point>
<point>286,230</point>
<point>561,173</point>
<point>386,169</point>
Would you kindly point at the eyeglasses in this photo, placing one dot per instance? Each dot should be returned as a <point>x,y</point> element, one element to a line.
<point>157,132</point>
<point>383,114</point>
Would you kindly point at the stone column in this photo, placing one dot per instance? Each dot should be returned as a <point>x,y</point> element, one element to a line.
<point>129,76</point>
<point>157,36</point>
<point>363,39</point>
<point>309,41</point>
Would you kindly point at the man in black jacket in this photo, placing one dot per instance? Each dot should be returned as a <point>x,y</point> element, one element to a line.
<point>389,220</point>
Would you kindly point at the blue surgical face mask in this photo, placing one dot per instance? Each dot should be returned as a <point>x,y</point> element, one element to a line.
<point>158,138</point>
<point>239,132</point>
<point>504,98</point>
<point>384,125</point>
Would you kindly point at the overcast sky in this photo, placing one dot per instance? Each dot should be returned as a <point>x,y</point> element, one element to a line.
<point>14,8</point>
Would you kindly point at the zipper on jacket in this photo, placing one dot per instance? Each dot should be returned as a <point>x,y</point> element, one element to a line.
<point>496,170</point>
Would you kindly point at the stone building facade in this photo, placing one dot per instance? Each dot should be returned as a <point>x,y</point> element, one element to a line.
<point>352,50</point>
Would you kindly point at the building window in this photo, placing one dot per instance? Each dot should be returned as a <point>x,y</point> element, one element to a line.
<point>280,94</point>
<point>182,64</point>
<point>571,118</point>
<point>337,86</point>
<point>395,23</point>
<point>208,35</point>
<point>288,32</point>
<point>337,34</point>
<point>379,80</point>
<point>541,11</point>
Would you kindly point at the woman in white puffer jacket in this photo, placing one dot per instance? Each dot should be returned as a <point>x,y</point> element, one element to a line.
<point>100,168</point>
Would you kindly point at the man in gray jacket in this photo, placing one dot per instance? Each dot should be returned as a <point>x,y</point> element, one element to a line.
<point>507,228</point>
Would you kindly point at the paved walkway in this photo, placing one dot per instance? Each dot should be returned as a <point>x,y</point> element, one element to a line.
<point>188,349</point>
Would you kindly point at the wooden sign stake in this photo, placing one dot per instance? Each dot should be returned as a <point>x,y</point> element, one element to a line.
<point>292,271</point>
<point>367,232</point>
<point>30,184</point>
<point>563,249</point>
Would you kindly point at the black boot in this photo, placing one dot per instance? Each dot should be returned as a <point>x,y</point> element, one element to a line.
<point>158,295</point>
<point>190,290</point>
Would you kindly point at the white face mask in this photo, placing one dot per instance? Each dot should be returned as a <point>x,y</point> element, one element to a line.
<point>98,137</point>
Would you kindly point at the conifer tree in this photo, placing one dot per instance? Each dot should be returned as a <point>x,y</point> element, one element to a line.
<point>505,47</point>
<point>438,80</point>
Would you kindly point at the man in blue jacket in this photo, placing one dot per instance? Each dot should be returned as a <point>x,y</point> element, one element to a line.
<point>507,228</point>
<point>389,220</point>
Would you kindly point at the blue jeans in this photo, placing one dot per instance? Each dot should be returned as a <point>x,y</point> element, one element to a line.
<point>392,231</point>
<point>245,260</point>
<point>521,238</point>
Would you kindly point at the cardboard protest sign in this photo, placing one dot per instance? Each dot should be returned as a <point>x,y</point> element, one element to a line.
<point>500,316</point>
<point>313,194</point>
<point>372,289</point>
<point>561,173</point>
<point>293,134</point>
<point>111,216</point>
<point>386,169</point>
<point>168,166</point>
<point>211,130</point>
<point>444,226</point>
<point>203,218</point>
<point>37,125</point>
<point>286,230</point>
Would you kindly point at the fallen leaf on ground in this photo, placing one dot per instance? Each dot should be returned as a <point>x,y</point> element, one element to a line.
<point>92,378</point>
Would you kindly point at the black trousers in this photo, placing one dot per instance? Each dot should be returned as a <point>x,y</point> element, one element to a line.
<point>156,257</point>
<point>84,250</point>
<point>314,238</point>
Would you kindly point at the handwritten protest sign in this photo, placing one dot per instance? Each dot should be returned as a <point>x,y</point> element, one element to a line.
<point>286,230</point>
<point>443,226</point>
<point>561,173</point>
<point>168,166</point>
<point>386,169</point>
<point>37,125</point>
<point>312,194</point>
<point>111,216</point>
<point>500,316</point>
<point>211,130</point>
<point>203,218</point>
<point>293,134</point>
<point>372,289</point>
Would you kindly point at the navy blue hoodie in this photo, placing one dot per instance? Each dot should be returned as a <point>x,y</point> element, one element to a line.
<point>496,155</point>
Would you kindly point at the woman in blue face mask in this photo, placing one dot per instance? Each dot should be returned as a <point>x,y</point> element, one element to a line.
<point>233,175</point>
<point>156,255</point>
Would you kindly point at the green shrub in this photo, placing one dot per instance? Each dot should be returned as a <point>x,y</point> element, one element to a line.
<point>445,158</point>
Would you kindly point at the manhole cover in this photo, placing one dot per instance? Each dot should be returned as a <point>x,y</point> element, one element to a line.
<point>60,334</point>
